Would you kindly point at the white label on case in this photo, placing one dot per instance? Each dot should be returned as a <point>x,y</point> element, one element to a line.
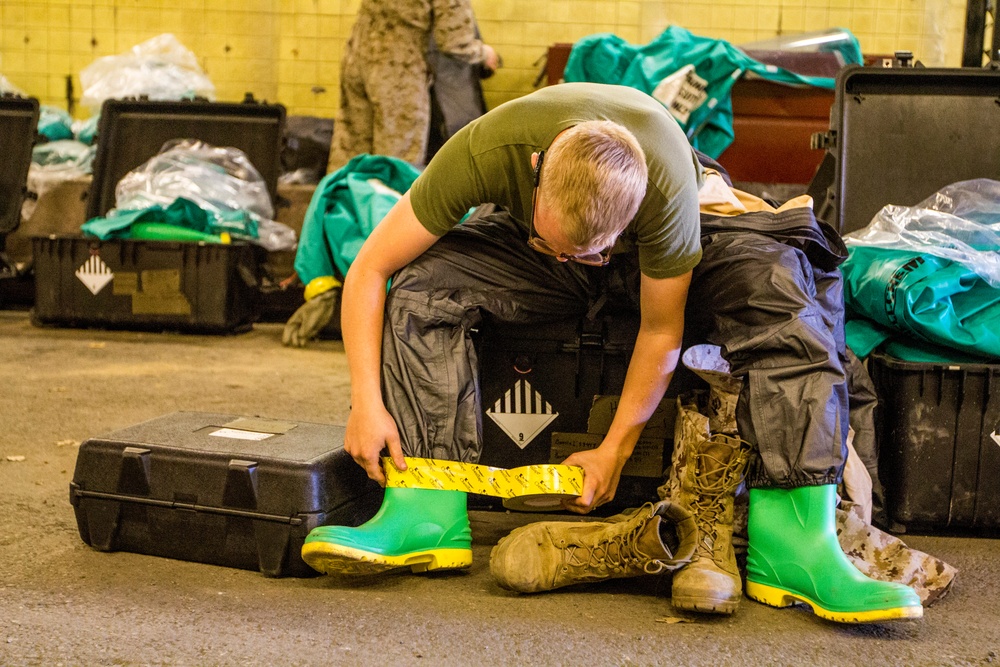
<point>240,435</point>
<point>995,436</point>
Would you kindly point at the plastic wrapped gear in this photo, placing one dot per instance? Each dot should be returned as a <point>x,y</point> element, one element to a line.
<point>221,181</point>
<point>960,222</point>
<point>160,68</point>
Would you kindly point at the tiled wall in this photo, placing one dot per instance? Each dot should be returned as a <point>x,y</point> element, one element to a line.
<point>289,50</point>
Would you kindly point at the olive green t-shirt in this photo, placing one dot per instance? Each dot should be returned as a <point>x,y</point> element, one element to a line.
<point>489,161</point>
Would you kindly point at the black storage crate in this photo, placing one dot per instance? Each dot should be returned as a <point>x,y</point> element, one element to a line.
<point>218,489</point>
<point>898,135</point>
<point>538,384</point>
<point>18,123</point>
<point>156,285</point>
<point>149,285</point>
<point>939,451</point>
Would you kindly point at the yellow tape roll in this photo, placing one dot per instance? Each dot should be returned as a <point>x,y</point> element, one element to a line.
<point>535,488</point>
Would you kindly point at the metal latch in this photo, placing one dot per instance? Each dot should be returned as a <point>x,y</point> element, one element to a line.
<point>823,140</point>
<point>901,59</point>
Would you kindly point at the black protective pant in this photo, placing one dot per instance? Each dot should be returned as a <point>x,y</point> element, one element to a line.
<point>767,291</point>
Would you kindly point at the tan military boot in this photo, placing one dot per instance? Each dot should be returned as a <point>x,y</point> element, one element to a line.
<point>703,478</point>
<point>552,554</point>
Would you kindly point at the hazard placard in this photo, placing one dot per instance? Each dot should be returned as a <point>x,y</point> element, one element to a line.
<point>95,274</point>
<point>522,413</point>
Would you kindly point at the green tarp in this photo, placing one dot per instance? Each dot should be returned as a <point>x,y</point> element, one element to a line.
<point>171,223</point>
<point>606,58</point>
<point>344,210</point>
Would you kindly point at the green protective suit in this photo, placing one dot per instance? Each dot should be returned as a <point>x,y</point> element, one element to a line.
<point>182,220</point>
<point>606,58</point>
<point>927,307</point>
<point>344,210</point>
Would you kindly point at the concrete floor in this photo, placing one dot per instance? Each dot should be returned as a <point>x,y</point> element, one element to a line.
<point>63,603</point>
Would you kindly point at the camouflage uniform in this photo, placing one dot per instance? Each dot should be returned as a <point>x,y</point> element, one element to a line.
<point>385,78</point>
<point>885,557</point>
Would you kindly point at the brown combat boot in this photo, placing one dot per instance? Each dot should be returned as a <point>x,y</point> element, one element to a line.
<point>551,554</point>
<point>704,474</point>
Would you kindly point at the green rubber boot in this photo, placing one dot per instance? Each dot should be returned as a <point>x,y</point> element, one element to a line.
<point>422,529</point>
<point>794,557</point>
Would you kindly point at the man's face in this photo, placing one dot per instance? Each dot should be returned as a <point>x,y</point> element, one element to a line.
<point>545,230</point>
<point>551,240</point>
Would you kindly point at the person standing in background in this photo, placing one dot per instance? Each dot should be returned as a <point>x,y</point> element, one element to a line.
<point>385,76</point>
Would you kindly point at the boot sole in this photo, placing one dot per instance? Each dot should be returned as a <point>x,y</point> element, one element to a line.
<point>777,597</point>
<point>336,559</point>
<point>705,605</point>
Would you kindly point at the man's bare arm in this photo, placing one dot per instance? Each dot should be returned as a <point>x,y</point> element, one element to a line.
<point>657,349</point>
<point>395,242</point>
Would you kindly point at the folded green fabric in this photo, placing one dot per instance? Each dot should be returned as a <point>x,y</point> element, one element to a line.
<point>927,298</point>
<point>88,130</point>
<point>182,214</point>
<point>54,124</point>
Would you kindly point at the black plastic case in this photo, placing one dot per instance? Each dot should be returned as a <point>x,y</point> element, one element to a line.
<point>538,386</point>
<point>130,132</point>
<point>18,120</point>
<point>156,285</point>
<point>220,489</point>
<point>899,134</point>
<point>939,451</point>
<point>146,285</point>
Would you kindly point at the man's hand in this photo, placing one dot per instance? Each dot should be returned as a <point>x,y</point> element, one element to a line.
<point>602,468</point>
<point>369,431</point>
<point>491,58</point>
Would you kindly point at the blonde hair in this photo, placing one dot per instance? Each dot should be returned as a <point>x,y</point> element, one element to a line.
<point>594,178</point>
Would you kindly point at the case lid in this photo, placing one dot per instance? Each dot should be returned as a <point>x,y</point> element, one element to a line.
<point>287,468</point>
<point>18,120</point>
<point>226,436</point>
<point>904,133</point>
<point>130,132</point>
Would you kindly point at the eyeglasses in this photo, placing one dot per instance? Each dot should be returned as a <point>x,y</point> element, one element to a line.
<point>539,244</point>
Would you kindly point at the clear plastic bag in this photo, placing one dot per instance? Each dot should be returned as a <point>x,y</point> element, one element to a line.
<point>7,87</point>
<point>221,181</point>
<point>160,68</point>
<point>960,222</point>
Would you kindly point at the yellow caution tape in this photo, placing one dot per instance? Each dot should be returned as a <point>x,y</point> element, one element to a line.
<point>535,488</point>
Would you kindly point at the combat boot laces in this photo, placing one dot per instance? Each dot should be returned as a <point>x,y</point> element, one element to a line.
<point>617,555</point>
<point>715,481</point>
<point>551,554</point>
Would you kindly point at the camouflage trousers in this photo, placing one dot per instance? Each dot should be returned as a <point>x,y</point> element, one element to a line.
<point>385,107</point>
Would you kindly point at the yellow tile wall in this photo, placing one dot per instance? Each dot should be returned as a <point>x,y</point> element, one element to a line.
<point>289,50</point>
